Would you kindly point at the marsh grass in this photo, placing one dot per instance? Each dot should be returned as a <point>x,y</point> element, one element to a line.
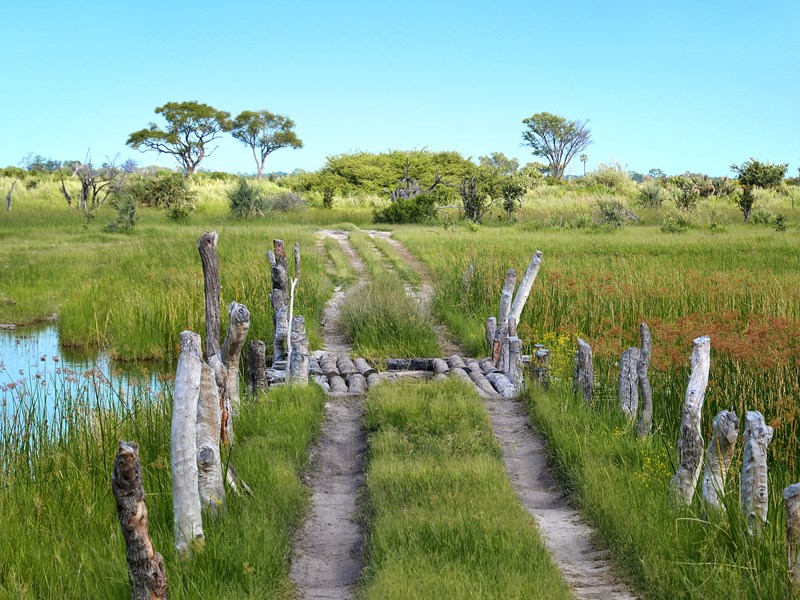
<point>61,537</point>
<point>444,521</point>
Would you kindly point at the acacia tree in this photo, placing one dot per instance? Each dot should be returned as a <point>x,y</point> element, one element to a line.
<point>555,139</point>
<point>191,127</point>
<point>264,132</point>
<point>755,174</point>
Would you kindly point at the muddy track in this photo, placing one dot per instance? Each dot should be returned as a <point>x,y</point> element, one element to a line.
<point>568,538</point>
<point>329,547</point>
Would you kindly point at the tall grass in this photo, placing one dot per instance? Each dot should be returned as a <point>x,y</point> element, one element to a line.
<point>444,521</point>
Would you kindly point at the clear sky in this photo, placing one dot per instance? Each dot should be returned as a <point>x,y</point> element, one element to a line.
<point>676,85</point>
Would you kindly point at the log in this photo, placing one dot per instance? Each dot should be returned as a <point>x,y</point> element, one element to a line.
<point>363,367</point>
<point>725,430</point>
<point>409,364</point>
<point>256,367</point>
<point>487,366</point>
<point>322,382</point>
<point>491,330</point>
<point>146,571</point>
<point>629,383</point>
<point>357,384</point>
<point>440,366</point>
<point>459,373</point>
<point>501,383</point>
<point>473,365</point>
<point>345,366</point>
<point>690,442</point>
<point>791,498</point>
<point>483,384</point>
<point>210,483</point>
<point>373,379</point>
<point>583,373</point>
<point>238,326</point>
<point>328,365</point>
<point>753,486</point>
<point>10,194</point>
<point>506,296</point>
<point>515,374</point>
<point>645,351</point>
<point>297,260</point>
<point>188,525</point>
<point>525,286</point>
<point>455,362</point>
<point>207,246</point>
<point>299,364</point>
<point>337,384</point>
<point>313,367</point>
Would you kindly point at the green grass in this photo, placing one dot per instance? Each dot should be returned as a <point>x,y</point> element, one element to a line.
<point>61,537</point>
<point>444,521</point>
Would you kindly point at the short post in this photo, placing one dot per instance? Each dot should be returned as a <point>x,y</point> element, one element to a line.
<point>583,373</point>
<point>146,570</point>
<point>541,365</point>
<point>645,352</point>
<point>690,442</point>
<point>629,383</point>
<point>257,367</point>
<point>753,488</point>
<point>791,498</point>
<point>238,326</point>
<point>515,374</point>
<point>298,367</point>
<point>719,454</point>
<point>210,483</point>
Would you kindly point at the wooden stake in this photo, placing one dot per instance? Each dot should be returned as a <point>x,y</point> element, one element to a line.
<point>791,498</point>
<point>238,326</point>
<point>146,570</point>
<point>525,286</point>
<point>629,383</point>
<point>506,296</point>
<point>207,246</point>
<point>257,366</point>
<point>719,454</point>
<point>583,374</point>
<point>299,364</point>
<point>690,442</point>
<point>753,486</point>
<point>645,351</point>
<point>210,483</point>
<point>10,193</point>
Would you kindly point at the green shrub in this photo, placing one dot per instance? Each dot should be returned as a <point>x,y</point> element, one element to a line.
<point>245,199</point>
<point>652,195</point>
<point>675,223</point>
<point>612,176</point>
<point>761,216</point>
<point>780,222</point>
<point>126,217</point>
<point>284,201</point>
<point>419,209</point>
<point>612,213</point>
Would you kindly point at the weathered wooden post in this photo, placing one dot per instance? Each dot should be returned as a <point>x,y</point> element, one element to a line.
<point>753,490</point>
<point>239,325</point>
<point>540,363</point>
<point>10,194</point>
<point>690,442</point>
<point>146,570</point>
<point>207,246</point>
<point>491,331</point>
<point>279,298</point>
<point>299,364</point>
<point>256,366</point>
<point>515,372</point>
<point>791,498</point>
<point>629,383</point>
<point>525,286</point>
<point>183,455</point>
<point>210,482</point>
<point>719,454</point>
<point>645,352</point>
<point>583,373</point>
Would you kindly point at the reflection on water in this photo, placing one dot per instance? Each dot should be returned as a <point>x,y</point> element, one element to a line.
<point>33,363</point>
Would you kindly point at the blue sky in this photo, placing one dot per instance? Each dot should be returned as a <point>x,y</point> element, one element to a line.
<point>675,85</point>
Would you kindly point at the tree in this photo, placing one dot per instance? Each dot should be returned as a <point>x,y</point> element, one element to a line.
<point>556,139</point>
<point>755,174</point>
<point>499,161</point>
<point>264,132</point>
<point>191,127</point>
<point>656,173</point>
<point>584,158</point>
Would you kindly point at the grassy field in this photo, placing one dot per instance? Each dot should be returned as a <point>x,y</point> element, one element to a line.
<point>443,519</point>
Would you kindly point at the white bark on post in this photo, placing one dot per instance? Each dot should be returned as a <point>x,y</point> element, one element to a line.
<point>583,374</point>
<point>207,246</point>
<point>210,482</point>
<point>690,442</point>
<point>148,576</point>
<point>719,454</point>
<point>238,326</point>
<point>645,352</point>
<point>491,331</point>
<point>791,498</point>
<point>515,363</point>
<point>257,366</point>
<point>525,285</point>
<point>183,456</point>
<point>506,296</point>
<point>297,260</point>
<point>299,364</point>
<point>290,322</point>
<point>629,383</point>
<point>753,489</point>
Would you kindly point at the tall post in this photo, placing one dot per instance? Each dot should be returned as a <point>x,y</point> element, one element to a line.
<point>753,486</point>
<point>583,373</point>
<point>791,498</point>
<point>645,352</point>
<point>629,383</point>
<point>238,326</point>
<point>210,483</point>
<point>207,246</point>
<point>256,366</point>
<point>525,286</point>
<point>725,430</point>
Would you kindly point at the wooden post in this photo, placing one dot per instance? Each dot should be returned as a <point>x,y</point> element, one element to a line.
<point>290,322</point>
<point>629,383</point>
<point>791,498</point>
<point>257,366</point>
<point>183,455</point>
<point>146,570</point>
<point>645,351</point>
<point>753,488</point>
<point>238,326</point>
<point>498,351</point>
<point>10,193</point>
<point>515,363</point>
<point>525,286</point>
<point>719,454</point>
<point>297,260</point>
<point>583,374</point>
<point>210,484</point>
<point>491,330</point>
<point>506,296</point>
<point>690,442</point>
<point>298,366</point>
<point>207,246</point>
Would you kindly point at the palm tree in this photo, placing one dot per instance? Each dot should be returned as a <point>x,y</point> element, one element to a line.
<point>584,158</point>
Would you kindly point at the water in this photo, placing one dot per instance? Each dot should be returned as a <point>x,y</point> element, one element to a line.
<point>34,364</point>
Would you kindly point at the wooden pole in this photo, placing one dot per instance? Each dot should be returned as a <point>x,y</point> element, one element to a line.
<point>146,570</point>
<point>690,442</point>
<point>183,455</point>
<point>207,246</point>
<point>753,486</point>
<point>491,331</point>
<point>515,374</point>
<point>289,322</point>
<point>645,352</point>
<point>719,454</point>
<point>506,296</point>
<point>257,366</point>
<point>297,260</point>
<point>238,326</point>
<point>210,484</point>
<point>10,193</point>
<point>583,374</point>
<point>298,366</point>
<point>629,383</point>
<point>525,286</point>
<point>791,498</point>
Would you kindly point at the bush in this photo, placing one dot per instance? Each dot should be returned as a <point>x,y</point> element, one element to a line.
<point>126,217</point>
<point>419,209</point>
<point>761,216</point>
<point>675,223</point>
<point>245,200</point>
<point>652,195</point>
<point>612,213</point>
<point>611,176</point>
<point>284,201</point>
<point>780,222</point>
